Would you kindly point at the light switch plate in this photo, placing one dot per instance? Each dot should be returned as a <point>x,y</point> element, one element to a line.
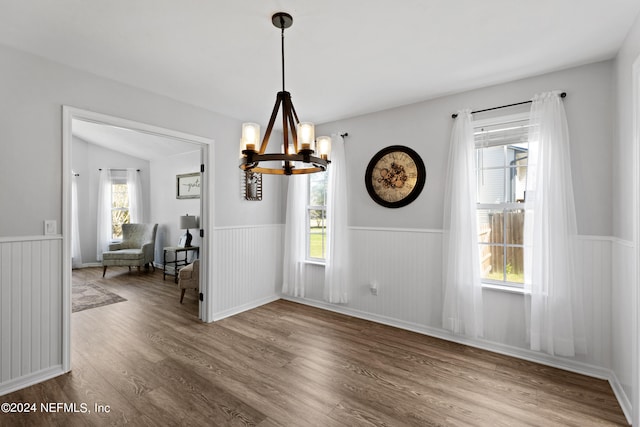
<point>50,227</point>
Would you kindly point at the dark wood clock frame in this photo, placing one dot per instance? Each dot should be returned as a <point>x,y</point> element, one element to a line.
<point>417,189</point>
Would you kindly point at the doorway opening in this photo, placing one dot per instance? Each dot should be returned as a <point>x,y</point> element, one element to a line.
<point>89,140</point>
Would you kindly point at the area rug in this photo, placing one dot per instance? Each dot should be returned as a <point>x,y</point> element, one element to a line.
<point>90,295</point>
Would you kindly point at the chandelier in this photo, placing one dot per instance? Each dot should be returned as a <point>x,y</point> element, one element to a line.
<point>299,157</point>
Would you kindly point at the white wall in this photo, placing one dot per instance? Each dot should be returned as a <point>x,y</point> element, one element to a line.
<point>426,127</point>
<point>31,124</point>
<point>165,207</point>
<point>87,159</point>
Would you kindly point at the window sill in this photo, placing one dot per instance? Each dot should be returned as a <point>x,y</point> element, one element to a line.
<point>313,262</point>
<point>502,288</point>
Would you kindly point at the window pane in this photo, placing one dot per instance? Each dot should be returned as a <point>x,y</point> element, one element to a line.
<point>491,157</point>
<point>498,229</point>
<point>119,209</point>
<point>502,263</point>
<point>492,262</point>
<point>484,225</point>
<point>514,264</point>
<point>514,227</point>
<point>119,196</point>
<point>317,189</point>
<point>317,233</point>
<point>516,176</point>
<point>118,217</point>
<point>491,185</point>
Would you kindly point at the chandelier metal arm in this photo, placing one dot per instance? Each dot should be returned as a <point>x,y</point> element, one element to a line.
<point>272,120</point>
<point>289,120</point>
<point>285,127</point>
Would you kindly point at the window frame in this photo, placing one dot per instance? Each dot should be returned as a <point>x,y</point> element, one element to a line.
<point>504,206</point>
<point>308,208</point>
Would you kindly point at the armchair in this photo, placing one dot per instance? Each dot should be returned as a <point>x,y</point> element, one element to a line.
<point>136,249</point>
<point>189,278</point>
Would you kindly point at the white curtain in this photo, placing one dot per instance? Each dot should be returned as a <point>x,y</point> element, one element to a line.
<point>104,213</point>
<point>336,273</point>
<point>76,256</point>
<point>462,309</point>
<point>134,188</point>
<point>295,237</point>
<point>553,299</point>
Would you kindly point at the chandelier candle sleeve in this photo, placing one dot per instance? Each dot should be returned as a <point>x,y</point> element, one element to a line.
<point>250,136</point>
<point>324,146</point>
<point>306,136</point>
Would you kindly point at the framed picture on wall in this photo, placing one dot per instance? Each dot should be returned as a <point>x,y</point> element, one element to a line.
<point>188,186</point>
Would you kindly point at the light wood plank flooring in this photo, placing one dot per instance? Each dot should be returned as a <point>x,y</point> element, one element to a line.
<point>284,364</point>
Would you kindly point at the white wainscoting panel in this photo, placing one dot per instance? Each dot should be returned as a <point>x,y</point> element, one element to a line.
<point>30,307</point>
<point>406,265</point>
<point>594,269</point>
<point>247,267</point>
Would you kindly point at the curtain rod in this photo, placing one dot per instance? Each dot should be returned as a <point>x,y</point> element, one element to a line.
<point>454,115</point>
<point>111,169</point>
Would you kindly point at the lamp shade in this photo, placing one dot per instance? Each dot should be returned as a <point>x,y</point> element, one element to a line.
<point>188,221</point>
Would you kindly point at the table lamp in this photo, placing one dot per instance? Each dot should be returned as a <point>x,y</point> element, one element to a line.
<point>186,222</point>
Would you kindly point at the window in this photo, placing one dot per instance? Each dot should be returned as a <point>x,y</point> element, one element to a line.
<point>501,168</point>
<point>119,207</point>
<point>316,216</point>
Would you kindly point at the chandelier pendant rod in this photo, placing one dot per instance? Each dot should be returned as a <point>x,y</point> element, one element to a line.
<point>282,48</point>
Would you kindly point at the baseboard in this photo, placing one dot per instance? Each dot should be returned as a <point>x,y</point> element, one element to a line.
<point>30,379</point>
<point>622,397</point>
<point>520,353</point>
<point>90,264</point>
<point>244,307</point>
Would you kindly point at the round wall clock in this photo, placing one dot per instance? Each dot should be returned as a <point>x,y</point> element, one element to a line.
<point>395,176</point>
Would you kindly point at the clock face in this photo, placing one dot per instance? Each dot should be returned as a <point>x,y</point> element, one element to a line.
<point>395,176</point>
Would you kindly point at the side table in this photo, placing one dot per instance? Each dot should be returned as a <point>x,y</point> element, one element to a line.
<point>176,262</point>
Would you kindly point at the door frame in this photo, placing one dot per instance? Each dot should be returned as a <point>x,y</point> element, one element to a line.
<point>206,209</point>
<point>635,359</point>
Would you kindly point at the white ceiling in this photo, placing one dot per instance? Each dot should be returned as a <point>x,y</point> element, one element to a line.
<point>132,142</point>
<point>343,58</point>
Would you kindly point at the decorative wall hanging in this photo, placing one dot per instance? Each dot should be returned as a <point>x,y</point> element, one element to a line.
<point>188,186</point>
<point>252,186</point>
<point>395,176</point>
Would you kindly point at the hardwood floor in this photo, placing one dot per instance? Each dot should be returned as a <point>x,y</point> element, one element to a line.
<point>153,363</point>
